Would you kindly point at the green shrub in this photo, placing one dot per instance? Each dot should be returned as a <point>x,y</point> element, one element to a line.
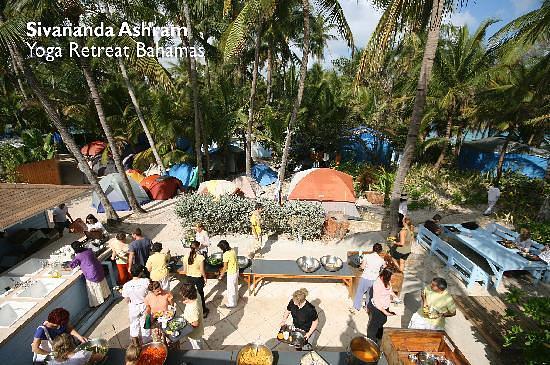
<point>231,214</point>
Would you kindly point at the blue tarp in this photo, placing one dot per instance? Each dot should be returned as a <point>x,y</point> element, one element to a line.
<point>366,145</point>
<point>263,174</point>
<point>184,145</point>
<point>528,165</point>
<point>184,172</point>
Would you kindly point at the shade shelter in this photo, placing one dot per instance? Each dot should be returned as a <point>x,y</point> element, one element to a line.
<point>332,188</point>
<point>114,189</point>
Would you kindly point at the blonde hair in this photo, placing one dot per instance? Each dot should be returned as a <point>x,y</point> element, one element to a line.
<point>408,223</point>
<point>299,296</point>
<point>132,354</point>
<point>62,346</point>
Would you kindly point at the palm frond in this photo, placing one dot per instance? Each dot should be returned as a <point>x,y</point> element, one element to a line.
<point>334,14</point>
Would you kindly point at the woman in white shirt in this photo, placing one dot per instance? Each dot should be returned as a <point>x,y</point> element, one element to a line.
<point>523,241</point>
<point>65,353</point>
<point>201,236</point>
<point>135,292</point>
<point>371,264</point>
<point>94,225</point>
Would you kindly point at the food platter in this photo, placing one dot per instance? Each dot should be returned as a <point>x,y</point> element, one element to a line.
<point>292,336</point>
<point>507,243</point>
<point>313,358</point>
<point>216,259</point>
<point>529,256</point>
<point>252,354</point>
<point>153,353</point>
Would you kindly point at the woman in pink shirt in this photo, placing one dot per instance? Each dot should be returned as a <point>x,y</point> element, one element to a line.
<point>382,294</point>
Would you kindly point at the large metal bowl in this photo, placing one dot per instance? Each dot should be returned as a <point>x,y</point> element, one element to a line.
<point>158,345</point>
<point>308,264</point>
<point>215,256</point>
<point>243,262</point>
<point>252,354</point>
<point>332,263</point>
<point>364,351</point>
<point>97,346</point>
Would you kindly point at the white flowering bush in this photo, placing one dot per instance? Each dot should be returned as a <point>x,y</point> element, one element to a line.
<point>231,214</point>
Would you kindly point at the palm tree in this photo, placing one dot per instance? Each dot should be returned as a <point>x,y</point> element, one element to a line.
<point>135,102</point>
<point>54,116</point>
<point>406,15</point>
<point>460,64</point>
<point>94,93</point>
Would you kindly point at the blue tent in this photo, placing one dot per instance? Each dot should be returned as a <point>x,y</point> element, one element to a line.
<point>483,154</point>
<point>365,144</point>
<point>263,174</point>
<point>113,187</point>
<point>185,173</point>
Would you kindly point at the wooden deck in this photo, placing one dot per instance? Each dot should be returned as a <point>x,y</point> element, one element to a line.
<point>487,315</point>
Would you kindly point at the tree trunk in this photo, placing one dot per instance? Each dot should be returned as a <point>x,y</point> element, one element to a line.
<point>94,93</point>
<point>16,70</point>
<point>418,109</point>
<point>192,69</point>
<point>248,149</point>
<point>269,72</point>
<point>140,115</point>
<point>502,155</point>
<point>205,144</point>
<point>544,211</point>
<point>298,101</point>
<point>441,157</point>
<point>54,116</point>
<point>458,144</point>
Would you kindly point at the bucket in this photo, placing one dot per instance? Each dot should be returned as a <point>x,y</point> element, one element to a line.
<point>363,351</point>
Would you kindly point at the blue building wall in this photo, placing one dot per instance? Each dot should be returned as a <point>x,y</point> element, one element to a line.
<point>528,165</point>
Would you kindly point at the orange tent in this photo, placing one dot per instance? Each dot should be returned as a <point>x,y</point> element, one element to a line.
<point>136,175</point>
<point>148,182</point>
<point>93,148</point>
<point>325,185</point>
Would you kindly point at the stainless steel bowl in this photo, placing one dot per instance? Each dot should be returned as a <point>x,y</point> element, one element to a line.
<point>308,264</point>
<point>96,345</point>
<point>215,256</point>
<point>243,262</point>
<point>254,351</point>
<point>332,263</point>
<point>298,338</point>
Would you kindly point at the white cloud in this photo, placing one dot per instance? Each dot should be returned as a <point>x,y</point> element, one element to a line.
<point>362,18</point>
<point>462,18</point>
<point>522,6</point>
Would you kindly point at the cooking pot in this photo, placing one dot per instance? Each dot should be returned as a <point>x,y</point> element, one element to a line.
<point>363,351</point>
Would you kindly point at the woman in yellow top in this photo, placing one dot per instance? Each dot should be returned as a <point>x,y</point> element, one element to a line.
<point>256,225</point>
<point>157,264</point>
<point>193,268</point>
<point>231,267</point>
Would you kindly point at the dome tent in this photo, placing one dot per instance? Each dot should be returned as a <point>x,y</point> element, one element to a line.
<point>185,173</point>
<point>114,189</point>
<point>217,188</point>
<point>161,187</point>
<point>332,188</point>
<point>93,148</point>
<point>135,174</point>
<point>263,174</point>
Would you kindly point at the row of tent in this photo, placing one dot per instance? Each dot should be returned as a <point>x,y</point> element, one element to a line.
<point>332,188</point>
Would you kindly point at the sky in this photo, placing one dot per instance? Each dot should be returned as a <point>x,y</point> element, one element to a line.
<point>363,17</point>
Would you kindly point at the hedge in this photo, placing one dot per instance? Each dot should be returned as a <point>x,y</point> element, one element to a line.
<point>231,214</point>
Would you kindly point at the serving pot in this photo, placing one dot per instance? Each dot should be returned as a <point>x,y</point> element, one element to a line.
<point>256,348</point>
<point>243,262</point>
<point>158,345</point>
<point>332,263</point>
<point>363,351</point>
<point>308,264</point>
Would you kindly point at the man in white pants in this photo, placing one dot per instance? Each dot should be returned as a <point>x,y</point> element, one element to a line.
<point>231,267</point>
<point>493,193</point>
<point>135,291</point>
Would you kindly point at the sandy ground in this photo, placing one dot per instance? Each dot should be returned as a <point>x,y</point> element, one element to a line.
<point>257,318</point>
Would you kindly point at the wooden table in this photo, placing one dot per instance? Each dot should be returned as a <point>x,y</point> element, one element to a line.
<point>288,269</point>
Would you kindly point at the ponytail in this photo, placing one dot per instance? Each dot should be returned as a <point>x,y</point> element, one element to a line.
<point>194,247</point>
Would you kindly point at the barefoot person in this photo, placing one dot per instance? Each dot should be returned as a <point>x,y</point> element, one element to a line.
<point>96,283</point>
<point>201,236</point>
<point>139,249</point>
<point>231,267</point>
<point>157,264</point>
<point>371,264</point>
<point>437,304</point>
<point>135,292</point>
<point>256,227</point>
<point>60,221</point>
<point>119,249</point>
<point>401,249</point>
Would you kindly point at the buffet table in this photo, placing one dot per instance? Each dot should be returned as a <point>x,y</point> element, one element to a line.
<point>288,269</point>
<point>209,357</point>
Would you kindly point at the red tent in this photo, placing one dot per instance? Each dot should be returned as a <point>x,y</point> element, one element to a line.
<point>161,187</point>
<point>93,148</point>
<point>326,185</point>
